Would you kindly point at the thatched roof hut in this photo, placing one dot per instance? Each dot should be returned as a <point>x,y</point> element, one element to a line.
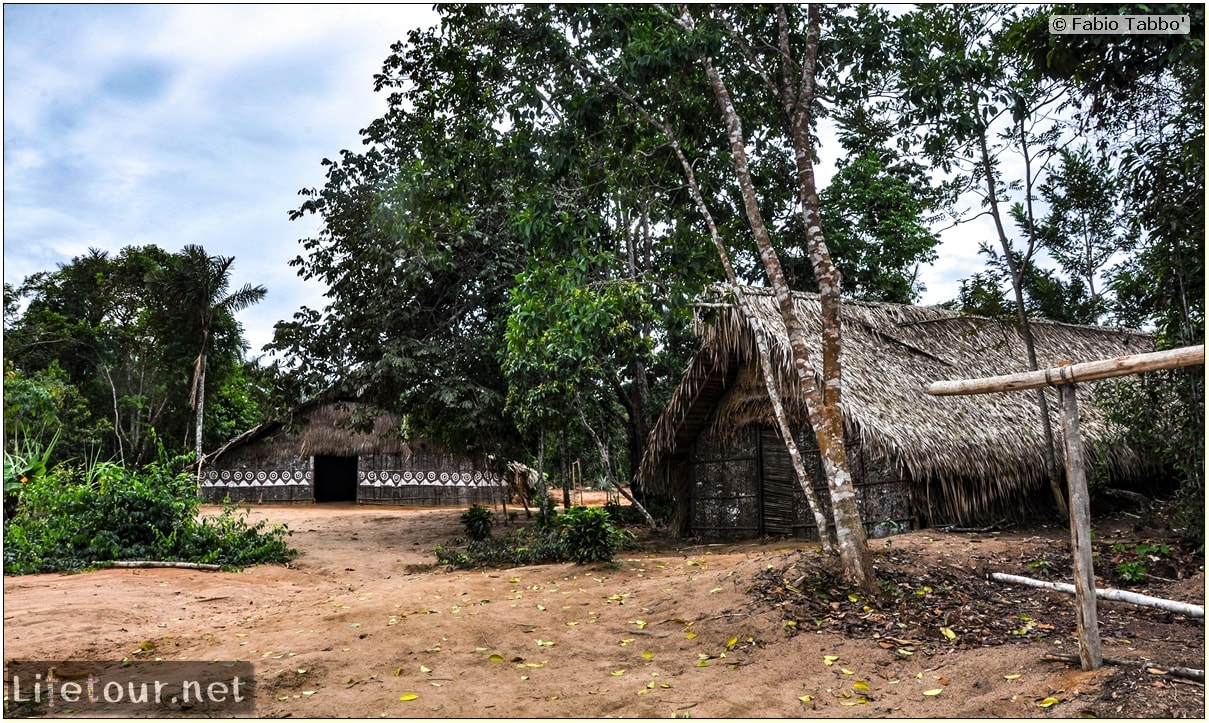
<point>962,458</point>
<point>327,450</point>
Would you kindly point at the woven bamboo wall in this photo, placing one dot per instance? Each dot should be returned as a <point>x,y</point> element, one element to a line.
<point>746,488</point>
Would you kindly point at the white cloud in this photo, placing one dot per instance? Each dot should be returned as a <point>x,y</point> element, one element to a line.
<point>131,125</point>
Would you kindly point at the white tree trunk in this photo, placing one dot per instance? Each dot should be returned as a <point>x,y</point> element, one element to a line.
<point>1172,606</point>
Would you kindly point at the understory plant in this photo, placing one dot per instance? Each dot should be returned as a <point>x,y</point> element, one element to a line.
<point>581,535</point>
<point>78,517</point>
<point>477,521</point>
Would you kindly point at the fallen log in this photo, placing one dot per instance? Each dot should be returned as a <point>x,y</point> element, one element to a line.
<point>159,563</point>
<point>1173,606</point>
<point>1174,671</point>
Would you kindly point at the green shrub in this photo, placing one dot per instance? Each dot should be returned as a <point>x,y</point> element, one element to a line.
<point>589,535</point>
<point>72,518</point>
<point>547,516</point>
<point>1131,572</point>
<point>477,521</point>
<point>583,534</point>
<point>517,548</point>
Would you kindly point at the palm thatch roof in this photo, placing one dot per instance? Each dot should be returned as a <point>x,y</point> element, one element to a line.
<point>977,448</point>
<point>323,426</point>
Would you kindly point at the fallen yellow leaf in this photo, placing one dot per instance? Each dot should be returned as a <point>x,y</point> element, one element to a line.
<point>1013,676</point>
<point>732,642</point>
<point>648,655</point>
<point>948,633</point>
<point>805,698</point>
<point>860,685</point>
<point>618,673</point>
<point>845,671</point>
<point>408,696</point>
<point>934,691</point>
<point>830,659</point>
<point>1048,702</point>
<point>495,658</point>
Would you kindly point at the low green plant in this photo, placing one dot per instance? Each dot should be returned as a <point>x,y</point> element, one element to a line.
<point>1132,571</point>
<point>1135,570</point>
<point>1043,567</point>
<point>477,522</point>
<point>73,518</point>
<point>27,462</point>
<point>589,534</point>
<point>582,534</point>
<point>547,516</point>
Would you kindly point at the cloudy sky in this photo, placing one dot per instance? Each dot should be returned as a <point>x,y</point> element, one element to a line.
<point>198,124</point>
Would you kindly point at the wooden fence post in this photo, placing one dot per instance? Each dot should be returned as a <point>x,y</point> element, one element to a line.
<point>1064,378</point>
<point>1080,533</point>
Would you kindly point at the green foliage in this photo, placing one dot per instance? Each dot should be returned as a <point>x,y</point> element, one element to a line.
<point>26,462</point>
<point>477,521</point>
<point>518,547</point>
<point>1160,415</point>
<point>875,212</point>
<point>547,517</point>
<point>581,534</point>
<point>589,535</point>
<point>1136,570</point>
<point>1131,572</point>
<point>105,344</point>
<point>72,518</point>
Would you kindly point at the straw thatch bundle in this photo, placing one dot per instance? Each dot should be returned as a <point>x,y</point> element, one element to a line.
<point>971,452</point>
<point>314,429</point>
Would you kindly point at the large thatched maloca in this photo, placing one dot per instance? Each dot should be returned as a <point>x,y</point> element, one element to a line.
<point>316,455</point>
<point>917,460</point>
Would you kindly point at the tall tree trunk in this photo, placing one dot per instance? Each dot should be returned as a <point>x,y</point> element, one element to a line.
<point>201,409</point>
<point>695,190</point>
<point>822,405</point>
<point>603,449</point>
<point>849,528</point>
<point>1026,330</point>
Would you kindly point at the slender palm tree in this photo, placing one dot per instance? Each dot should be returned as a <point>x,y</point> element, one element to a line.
<point>196,285</point>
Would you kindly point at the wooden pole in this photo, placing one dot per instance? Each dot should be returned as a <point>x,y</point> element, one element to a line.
<point>1080,533</point>
<point>1086,372</point>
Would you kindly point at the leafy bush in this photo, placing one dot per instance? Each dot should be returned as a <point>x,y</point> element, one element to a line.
<point>1133,571</point>
<point>547,516</point>
<point>518,547</point>
<point>477,520</point>
<point>589,534</point>
<point>583,534</point>
<point>72,518</point>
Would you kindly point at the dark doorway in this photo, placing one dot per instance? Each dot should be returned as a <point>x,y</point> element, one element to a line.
<point>335,479</point>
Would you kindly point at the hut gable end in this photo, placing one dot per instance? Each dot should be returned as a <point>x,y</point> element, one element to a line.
<point>342,451</point>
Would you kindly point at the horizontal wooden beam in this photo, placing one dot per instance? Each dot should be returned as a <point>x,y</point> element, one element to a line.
<point>1072,373</point>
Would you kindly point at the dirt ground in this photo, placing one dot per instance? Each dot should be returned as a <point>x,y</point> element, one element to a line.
<point>363,624</point>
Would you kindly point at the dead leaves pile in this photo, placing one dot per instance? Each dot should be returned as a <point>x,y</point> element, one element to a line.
<point>920,608</point>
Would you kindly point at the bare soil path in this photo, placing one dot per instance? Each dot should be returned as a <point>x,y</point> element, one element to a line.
<point>362,618</point>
